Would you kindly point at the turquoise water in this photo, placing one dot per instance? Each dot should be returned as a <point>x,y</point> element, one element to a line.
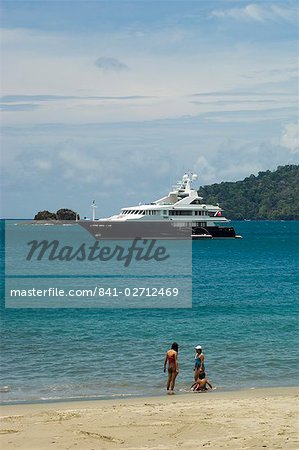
<point>244,315</point>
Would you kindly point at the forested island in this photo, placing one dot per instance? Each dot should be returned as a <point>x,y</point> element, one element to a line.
<point>269,195</point>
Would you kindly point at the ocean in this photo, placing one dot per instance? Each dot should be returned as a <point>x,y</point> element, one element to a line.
<point>244,295</point>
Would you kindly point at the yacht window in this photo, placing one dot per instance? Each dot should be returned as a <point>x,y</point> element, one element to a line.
<point>165,212</point>
<point>187,212</point>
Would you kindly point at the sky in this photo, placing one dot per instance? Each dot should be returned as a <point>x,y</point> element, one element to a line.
<point>113,101</point>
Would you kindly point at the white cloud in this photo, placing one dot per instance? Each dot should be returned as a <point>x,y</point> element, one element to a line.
<point>42,164</point>
<point>288,14</point>
<point>290,137</point>
<point>61,67</point>
<point>206,171</point>
<point>258,13</point>
<point>254,12</point>
<point>110,64</point>
<point>233,161</point>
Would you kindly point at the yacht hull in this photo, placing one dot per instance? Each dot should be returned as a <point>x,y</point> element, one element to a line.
<point>213,232</point>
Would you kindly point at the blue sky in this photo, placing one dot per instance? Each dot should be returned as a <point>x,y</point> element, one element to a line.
<point>113,101</point>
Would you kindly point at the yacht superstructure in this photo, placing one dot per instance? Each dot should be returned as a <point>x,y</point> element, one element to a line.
<point>184,207</point>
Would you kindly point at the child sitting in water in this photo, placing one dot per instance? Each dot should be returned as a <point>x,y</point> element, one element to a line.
<point>201,385</point>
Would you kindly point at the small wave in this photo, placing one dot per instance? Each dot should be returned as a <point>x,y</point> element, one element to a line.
<point>5,389</point>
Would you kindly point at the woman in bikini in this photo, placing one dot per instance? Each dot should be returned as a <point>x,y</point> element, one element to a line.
<point>173,369</point>
<point>201,382</point>
<point>199,366</point>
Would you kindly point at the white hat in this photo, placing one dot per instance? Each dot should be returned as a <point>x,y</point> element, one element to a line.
<point>198,347</point>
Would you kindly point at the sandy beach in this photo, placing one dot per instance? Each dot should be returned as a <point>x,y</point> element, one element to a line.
<point>259,418</point>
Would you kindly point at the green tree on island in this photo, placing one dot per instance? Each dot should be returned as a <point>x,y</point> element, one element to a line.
<point>269,195</point>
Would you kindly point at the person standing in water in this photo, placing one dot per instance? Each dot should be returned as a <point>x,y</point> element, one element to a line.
<point>199,366</point>
<point>173,369</point>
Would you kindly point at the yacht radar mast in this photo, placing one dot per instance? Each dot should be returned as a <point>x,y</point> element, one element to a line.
<point>184,186</point>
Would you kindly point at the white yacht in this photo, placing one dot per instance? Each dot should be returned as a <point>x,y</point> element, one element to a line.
<point>184,207</point>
